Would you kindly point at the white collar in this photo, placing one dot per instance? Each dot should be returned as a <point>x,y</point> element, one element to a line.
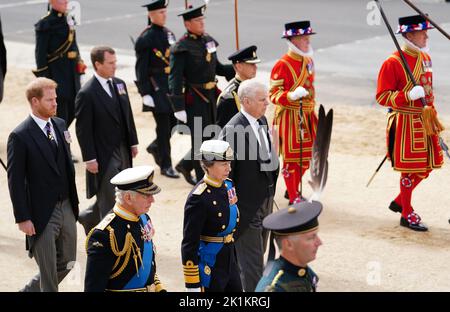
<point>252,120</point>
<point>296,50</point>
<point>40,122</point>
<point>103,81</point>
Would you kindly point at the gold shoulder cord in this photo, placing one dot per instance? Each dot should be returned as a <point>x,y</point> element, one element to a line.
<point>88,237</point>
<point>129,246</point>
<point>276,278</point>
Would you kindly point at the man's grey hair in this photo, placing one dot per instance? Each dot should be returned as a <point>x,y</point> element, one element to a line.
<point>248,89</point>
<point>120,194</point>
<point>279,239</point>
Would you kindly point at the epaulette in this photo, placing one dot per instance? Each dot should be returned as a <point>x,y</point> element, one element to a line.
<point>200,189</point>
<point>179,46</point>
<point>106,221</point>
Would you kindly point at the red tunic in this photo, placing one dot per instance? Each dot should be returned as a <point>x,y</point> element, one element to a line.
<point>410,150</point>
<point>291,71</point>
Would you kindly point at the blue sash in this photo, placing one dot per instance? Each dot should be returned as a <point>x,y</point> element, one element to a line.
<point>140,279</point>
<point>208,251</point>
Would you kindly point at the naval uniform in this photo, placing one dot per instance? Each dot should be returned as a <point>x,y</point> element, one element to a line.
<point>208,252</point>
<point>121,254</point>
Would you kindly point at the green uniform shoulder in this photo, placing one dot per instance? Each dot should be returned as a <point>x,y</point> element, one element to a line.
<point>44,23</point>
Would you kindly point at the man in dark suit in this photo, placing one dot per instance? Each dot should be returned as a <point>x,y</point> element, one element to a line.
<point>41,180</point>
<point>254,172</point>
<point>106,133</point>
<point>152,73</point>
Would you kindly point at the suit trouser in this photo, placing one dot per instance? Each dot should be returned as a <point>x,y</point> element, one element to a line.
<point>66,110</point>
<point>164,125</point>
<point>250,248</point>
<point>105,197</point>
<point>54,250</point>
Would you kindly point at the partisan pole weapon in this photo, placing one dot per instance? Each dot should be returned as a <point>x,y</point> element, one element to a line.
<point>411,77</point>
<point>236,23</point>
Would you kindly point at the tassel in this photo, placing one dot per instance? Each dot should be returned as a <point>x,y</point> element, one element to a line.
<point>431,123</point>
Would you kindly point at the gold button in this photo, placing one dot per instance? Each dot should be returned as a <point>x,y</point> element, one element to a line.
<point>219,214</point>
<point>223,227</point>
<point>128,226</point>
<point>234,230</point>
<point>214,202</point>
<point>208,190</point>
<point>301,272</point>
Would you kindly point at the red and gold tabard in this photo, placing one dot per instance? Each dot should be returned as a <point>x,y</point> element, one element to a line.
<point>291,71</point>
<point>410,150</point>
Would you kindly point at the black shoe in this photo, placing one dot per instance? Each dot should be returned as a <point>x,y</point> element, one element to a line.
<point>154,152</point>
<point>186,174</point>
<point>170,173</point>
<point>395,207</point>
<point>420,227</point>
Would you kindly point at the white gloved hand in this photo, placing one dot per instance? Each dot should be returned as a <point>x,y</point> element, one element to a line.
<point>298,93</point>
<point>416,93</point>
<point>194,289</point>
<point>148,101</point>
<point>181,116</point>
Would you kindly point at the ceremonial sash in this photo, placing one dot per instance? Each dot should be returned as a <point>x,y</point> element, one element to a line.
<point>208,251</point>
<point>140,279</point>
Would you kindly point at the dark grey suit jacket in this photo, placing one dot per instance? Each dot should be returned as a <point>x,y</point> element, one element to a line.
<point>254,178</point>
<point>33,173</point>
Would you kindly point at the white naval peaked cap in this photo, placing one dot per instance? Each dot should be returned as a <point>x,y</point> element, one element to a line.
<point>139,179</point>
<point>216,150</point>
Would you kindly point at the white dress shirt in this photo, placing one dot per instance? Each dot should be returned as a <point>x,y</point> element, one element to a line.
<point>42,123</point>
<point>255,127</point>
<point>104,83</point>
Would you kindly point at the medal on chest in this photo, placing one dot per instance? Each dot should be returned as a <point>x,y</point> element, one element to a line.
<point>426,66</point>
<point>310,67</point>
<point>210,48</point>
<point>232,197</point>
<point>147,231</point>
<point>170,38</point>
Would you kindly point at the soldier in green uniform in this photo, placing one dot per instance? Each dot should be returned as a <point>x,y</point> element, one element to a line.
<point>192,84</point>
<point>210,220</point>
<point>152,72</point>
<point>296,233</point>
<point>58,57</point>
<point>244,63</point>
<point>120,250</point>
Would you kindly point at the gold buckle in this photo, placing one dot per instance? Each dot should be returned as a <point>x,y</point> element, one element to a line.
<point>167,70</point>
<point>228,239</point>
<point>72,54</point>
<point>209,85</point>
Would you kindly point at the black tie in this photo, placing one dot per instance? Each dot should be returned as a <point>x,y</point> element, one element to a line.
<point>51,138</point>
<point>264,152</point>
<point>111,89</point>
